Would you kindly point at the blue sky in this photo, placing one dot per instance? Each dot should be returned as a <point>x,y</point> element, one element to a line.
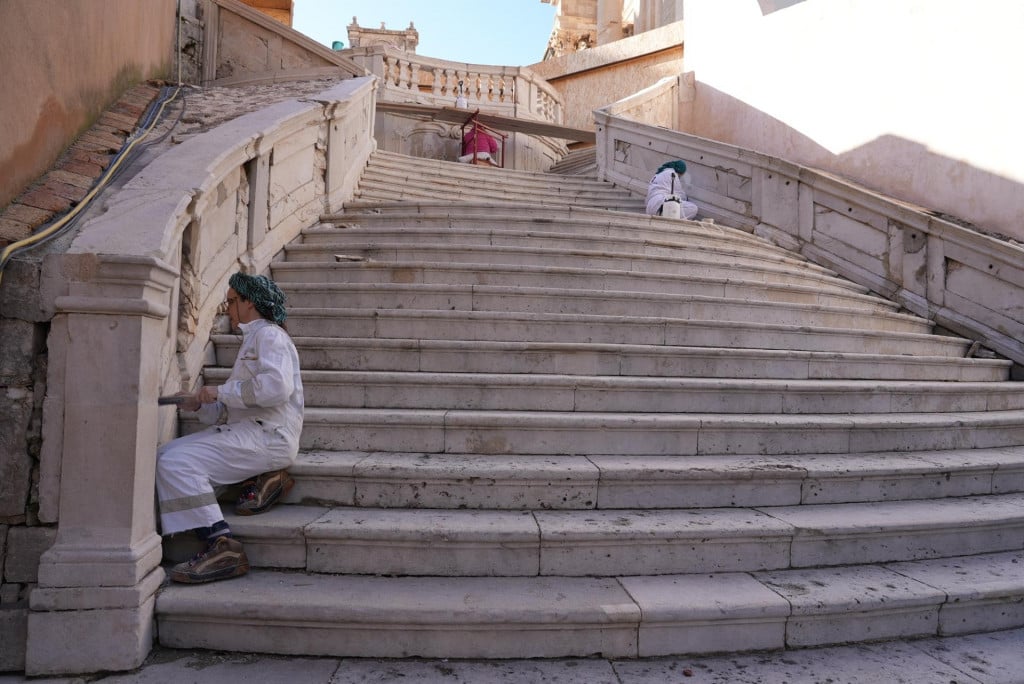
<point>497,32</point>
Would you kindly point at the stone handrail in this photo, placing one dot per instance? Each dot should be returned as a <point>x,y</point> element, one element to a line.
<point>511,91</point>
<point>964,281</point>
<point>137,294</point>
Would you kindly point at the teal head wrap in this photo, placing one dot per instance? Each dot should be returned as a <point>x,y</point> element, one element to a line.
<point>679,166</point>
<point>264,294</point>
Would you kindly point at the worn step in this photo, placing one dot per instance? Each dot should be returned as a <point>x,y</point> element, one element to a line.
<point>600,542</point>
<point>551,482</point>
<point>547,327</point>
<point>825,311</point>
<point>493,183</point>
<point>645,261</point>
<point>692,276</point>
<point>394,160</point>
<point>575,234</point>
<point>457,356</point>
<point>539,392</point>
<point>631,434</point>
<point>624,617</point>
<point>299,276</point>
<point>375,184</point>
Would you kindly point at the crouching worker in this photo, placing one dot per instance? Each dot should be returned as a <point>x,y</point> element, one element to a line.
<point>255,419</point>
<point>666,185</point>
<point>479,147</point>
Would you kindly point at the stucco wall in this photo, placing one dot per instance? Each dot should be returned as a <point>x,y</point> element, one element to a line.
<point>596,77</point>
<point>63,62</point>
<point>915,98</point>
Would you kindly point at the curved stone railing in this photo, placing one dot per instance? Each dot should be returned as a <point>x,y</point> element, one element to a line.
<point>966,282</point>
<point>138,292</point>
<point>510,91</point>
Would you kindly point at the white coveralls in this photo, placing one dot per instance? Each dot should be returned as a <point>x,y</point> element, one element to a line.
<point>263,403</point>
<point>661,187</point>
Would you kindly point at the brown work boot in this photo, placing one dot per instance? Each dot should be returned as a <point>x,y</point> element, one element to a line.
<point>263,491</point>
<point>222,558</point>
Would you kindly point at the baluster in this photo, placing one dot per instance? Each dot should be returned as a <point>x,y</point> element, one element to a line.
<point>389,65</point>
<point>435,82</point>
<point>403,74</point>
<point>459,76</point>
<point>414,78</point>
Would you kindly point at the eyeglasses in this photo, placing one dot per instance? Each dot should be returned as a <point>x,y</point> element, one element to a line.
<point>227,304</point>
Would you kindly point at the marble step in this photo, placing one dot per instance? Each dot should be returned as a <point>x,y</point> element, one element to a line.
<point>653,260</point>
<point>421,167</point>
<point>307,274</point>
<point>569,393</point>
<point>554,482</point>
<point>495,184</point>
<point>550,327</point>
<point>825,310</point>
<point>621,617</point>
<point>441,356</point>
<point>632,434</point>
<point>328,242</point>
<point>396,189</point>
<point>511,228</point>
<point>692,275</point>
<point>601,543</point>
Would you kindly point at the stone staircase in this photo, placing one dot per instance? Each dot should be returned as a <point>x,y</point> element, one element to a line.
<point>540,426</point>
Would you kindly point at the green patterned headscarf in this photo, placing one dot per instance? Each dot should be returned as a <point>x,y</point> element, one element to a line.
<point>264,294</point>
<point>679,166</point>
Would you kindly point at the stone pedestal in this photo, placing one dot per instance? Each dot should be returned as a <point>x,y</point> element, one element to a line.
<point>93,607</point>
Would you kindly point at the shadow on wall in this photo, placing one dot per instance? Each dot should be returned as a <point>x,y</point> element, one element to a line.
<point>891,165</point>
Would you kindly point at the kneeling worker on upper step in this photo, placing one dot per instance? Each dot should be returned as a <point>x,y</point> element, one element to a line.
<point>666,190</point>
<point>254,419</point>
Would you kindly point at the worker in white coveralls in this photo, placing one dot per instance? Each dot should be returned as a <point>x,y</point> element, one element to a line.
<point>668,183</point>
<point>255,419</point>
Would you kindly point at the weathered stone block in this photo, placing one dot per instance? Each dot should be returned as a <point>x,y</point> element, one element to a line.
<point>21,293</point>
<point>24,547</point>
<point>13,637</point>
<point>19,345</point>
<point>15,463</point>
<point>10,594</point>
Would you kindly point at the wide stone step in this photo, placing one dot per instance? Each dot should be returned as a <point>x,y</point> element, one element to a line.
<point>495,184</point>
<point>493,223</point>
<point>329,241</point>
<point>386,190</point>
<point>690,276</point>
<point>419,167</point>
<point>547,327</point>
<point>624,617</point>
<point>663,262</point>
<point>307,274</point>
<point>441,356</point>
<point>554,482</point>
<point>598,543</point>
<point>633,434</point>
<point>538,392</point>
<point>824,310</point>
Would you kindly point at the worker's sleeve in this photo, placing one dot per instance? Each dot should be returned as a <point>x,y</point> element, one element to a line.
<point>267,379</point>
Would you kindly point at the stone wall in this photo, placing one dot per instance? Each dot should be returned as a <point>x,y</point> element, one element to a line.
<point>965,281</point>
<point>67,60</point>
<point>593,78</point>
<point>913,98</point>
<point>22,537</point>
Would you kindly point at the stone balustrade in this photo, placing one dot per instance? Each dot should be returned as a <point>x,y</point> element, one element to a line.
<point>136,296</point>
<point>510,91</point>
<point>965,281</point>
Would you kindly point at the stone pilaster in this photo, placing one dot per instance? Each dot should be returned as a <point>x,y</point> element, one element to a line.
<point>93,607</point>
